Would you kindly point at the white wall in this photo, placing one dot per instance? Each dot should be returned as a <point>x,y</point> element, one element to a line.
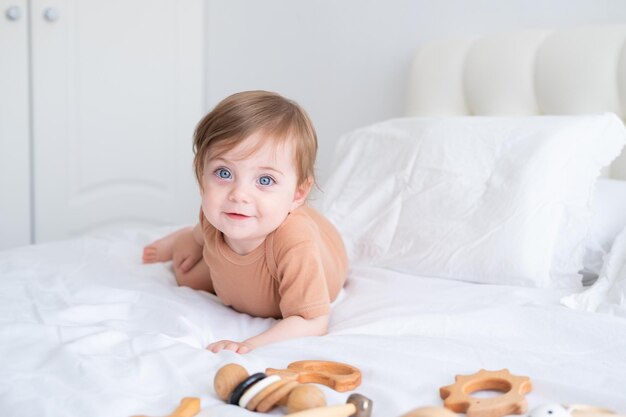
<point>346,61</point>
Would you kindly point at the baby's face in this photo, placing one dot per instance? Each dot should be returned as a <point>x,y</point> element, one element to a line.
<point>247,196</point>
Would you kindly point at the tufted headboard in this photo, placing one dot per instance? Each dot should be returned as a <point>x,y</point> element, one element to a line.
<point>564,71</point>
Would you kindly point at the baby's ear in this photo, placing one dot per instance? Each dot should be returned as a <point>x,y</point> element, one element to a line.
<point>302,192</point>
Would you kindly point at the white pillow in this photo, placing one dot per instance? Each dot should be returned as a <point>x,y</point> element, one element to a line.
<point>608,220</point>
<point>484,199</point>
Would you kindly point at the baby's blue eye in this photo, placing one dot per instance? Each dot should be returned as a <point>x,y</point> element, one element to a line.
<point>266,180</point>
<point>223,173</point>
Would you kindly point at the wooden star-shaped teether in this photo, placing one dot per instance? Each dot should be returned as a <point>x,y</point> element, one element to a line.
<point>456,396</point>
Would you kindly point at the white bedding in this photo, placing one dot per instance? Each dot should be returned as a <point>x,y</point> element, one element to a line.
<point>86,330</point>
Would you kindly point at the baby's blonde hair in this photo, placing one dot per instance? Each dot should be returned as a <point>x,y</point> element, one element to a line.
<point>242,114</point>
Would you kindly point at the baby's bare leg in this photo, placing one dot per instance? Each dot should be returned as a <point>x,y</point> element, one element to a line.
<point>161,250</point>
<point>198,277</point>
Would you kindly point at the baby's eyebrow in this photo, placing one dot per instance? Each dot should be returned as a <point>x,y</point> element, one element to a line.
<point>217,159</point>
<point>271,169</point>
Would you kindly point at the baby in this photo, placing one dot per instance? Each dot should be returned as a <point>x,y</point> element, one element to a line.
<point>258,246</point>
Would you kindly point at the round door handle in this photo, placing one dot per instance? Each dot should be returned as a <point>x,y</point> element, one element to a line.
<point>51,14</point>
<point>13,13</point>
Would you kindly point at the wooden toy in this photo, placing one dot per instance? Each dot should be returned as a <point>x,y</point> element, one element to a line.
<point>256,389</point>
<point>236,395</point>
<point>430,412</point>
<point>584,410</point>
<point>304,397</point>
<point>254,403</point>
<point>262,393</point>
<point>357,405</point>
<point>272,399</point>
<point>456,396</point>
<point>571,410</point>
<point>227,378</point>
<point>189,407</point>
<point>338,376</point>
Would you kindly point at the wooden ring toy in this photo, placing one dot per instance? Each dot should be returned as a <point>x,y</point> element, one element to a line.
<point>270,401</point>
<point>262,393</point>
<point>456,396</point>
<point>239,390</point>
<point>252,405</point>
<point>338,376</point>
<point>257,388</point>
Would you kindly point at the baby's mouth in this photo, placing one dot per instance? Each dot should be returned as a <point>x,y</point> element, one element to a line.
<point>237,216</point>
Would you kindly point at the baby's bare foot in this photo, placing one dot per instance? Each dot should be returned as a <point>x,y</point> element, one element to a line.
<point>161,250</point>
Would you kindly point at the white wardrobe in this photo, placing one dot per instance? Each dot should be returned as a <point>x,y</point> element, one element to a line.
<point>98,102</point>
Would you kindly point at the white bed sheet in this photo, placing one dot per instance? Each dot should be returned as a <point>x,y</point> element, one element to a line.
<point>86,330</point>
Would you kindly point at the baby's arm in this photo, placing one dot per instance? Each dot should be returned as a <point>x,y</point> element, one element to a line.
<point>287,328</point>
<point>177,246</point>
<point>187,249</point>
<point>161,250</point>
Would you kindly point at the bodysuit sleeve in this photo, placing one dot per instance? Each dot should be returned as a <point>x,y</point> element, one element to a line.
<point>302,286</point>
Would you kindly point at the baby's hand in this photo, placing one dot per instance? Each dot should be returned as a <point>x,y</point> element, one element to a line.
<point>237,347</point>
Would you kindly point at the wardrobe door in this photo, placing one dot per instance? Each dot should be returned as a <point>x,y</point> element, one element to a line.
<point>117,91</point>
<point>15,211</point>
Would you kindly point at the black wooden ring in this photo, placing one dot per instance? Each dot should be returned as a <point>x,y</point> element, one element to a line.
<point>235,396</point>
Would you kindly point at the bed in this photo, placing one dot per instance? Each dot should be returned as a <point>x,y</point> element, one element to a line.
<point>87,330</point>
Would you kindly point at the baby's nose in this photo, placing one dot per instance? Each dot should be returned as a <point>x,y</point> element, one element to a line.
<point>239,194</point>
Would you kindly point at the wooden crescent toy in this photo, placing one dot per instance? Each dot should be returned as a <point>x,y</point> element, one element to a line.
<point>512,401</point>
<point>338,376</point>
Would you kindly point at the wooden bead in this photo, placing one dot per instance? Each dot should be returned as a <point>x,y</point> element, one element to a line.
<point>304,397</point>
<point>227,378</point>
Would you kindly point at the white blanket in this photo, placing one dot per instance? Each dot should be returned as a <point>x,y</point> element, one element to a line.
<point>87,330</point>
<point>608,294</point>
